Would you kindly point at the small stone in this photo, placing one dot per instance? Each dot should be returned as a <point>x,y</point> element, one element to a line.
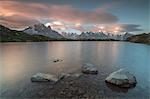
<point>76,75</point>
<point>57,60</point>
<point>71,83</point>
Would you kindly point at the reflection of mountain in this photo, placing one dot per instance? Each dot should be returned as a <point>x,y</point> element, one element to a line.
<point>141,38</point>
<point>8,35</point>
<point>41,29</point>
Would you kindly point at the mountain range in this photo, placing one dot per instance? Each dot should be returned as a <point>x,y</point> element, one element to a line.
<point>8,35</point>
<point>96,36</point>
<point>39,32</point>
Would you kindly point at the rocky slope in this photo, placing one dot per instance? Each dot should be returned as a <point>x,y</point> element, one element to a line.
<point>96,36</point>
<point>91,35</point>
<point>141,38</point>
<point>41,29</point>
<point>8,35</point>
<point>72,36</point>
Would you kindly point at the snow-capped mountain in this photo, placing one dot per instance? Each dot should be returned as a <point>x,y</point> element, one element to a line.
<point>70,35</point>
<point>96,36</point>
<point>119,36</point>
<point>41,29</point>
<point>91,35</point>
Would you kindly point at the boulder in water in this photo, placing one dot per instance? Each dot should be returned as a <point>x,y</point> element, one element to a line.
<point>42,77</point>
<point>122,78</point>
<point>88,68</point>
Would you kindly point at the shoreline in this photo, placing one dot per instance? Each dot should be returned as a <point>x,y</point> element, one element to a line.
<point>75,41</point>
<point>85,86</point>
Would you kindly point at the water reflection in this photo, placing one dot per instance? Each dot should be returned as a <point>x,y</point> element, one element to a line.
<point>18,61</point>
<point>118,89</point>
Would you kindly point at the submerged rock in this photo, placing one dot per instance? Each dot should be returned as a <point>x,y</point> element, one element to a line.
<point>122,78</point>
<point>42,77</point>
<point>57,60</point>
<point>76,75</point>
<point>88,68</point>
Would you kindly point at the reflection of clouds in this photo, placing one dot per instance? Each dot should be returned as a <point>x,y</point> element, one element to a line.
<point>21,58</point>
<point>115,51</point>
<point>12,59</point>
<point>64,49</point>
<point>100,53</point>
<point>57,50</point>
<point>112,49</point>
<point>69,52</point>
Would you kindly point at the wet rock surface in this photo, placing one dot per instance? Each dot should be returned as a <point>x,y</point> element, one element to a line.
<point>122,78</point>
<point>73,86</point>
<point>89,68</point>
<point>43,77</point>
<point>57,60</point>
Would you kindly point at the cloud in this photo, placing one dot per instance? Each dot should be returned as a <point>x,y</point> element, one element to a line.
<point>119,28</point>
<point>24,14</point>
<point>130,27</point>
<point>16,14</point>
<point>17,21</point>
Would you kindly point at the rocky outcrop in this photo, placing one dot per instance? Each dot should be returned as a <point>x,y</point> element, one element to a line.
<point>121,78</point>
<point>88,68</point>
<point>41,29</point>
<point>42,77</point>
<point>73,36</point>
<point>9,35</point>
<point>57,60</point>
<point>141,38</point>
<point>103,36</point>
<point>92,36</point>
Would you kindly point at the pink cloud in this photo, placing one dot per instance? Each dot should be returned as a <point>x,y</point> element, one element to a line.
<point>22,14</point>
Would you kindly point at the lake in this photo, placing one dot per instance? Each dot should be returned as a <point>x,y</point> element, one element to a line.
<point>20,60</point>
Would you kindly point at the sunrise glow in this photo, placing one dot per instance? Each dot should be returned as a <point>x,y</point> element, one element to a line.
<point>47,24</point>
<point>57,23</point>
<point>78,24</point>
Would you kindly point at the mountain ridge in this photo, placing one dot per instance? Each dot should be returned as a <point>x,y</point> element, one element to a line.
<point>140,38</point>
<point>96,36</point>
<point>41,29</point>
<point>8,35</point>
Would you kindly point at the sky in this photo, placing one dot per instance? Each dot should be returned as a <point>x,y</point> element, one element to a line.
<point>115,16</point>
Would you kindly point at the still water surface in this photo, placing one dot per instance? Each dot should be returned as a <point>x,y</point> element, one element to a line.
<point>19,61</point>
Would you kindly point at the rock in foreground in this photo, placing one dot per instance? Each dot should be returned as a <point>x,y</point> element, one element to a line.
<point>42,77</point>
<point>89,69</point>
<point>121,78</point>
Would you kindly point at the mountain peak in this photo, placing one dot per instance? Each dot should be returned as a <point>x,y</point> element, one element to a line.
<point>39,24</point>
<point>41,29</point>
